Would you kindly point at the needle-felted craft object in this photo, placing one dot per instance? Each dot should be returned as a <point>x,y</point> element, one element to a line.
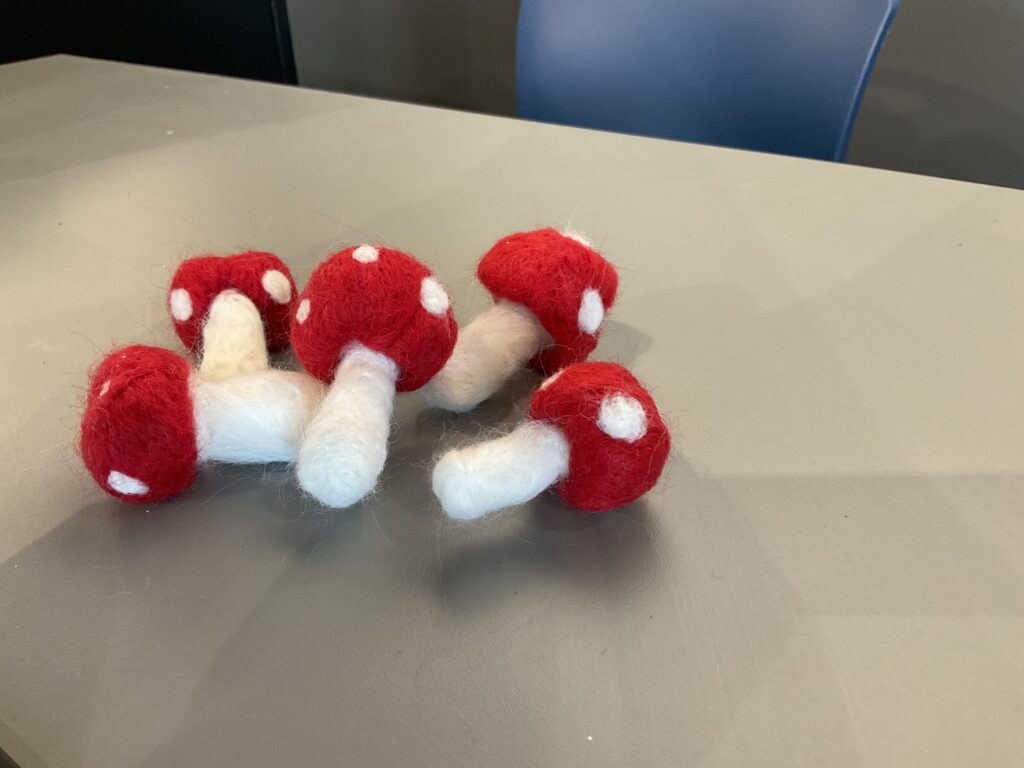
<point>232,290</point>
<point>374,321</point>
<point>150,419</point>
<point>593,432</point>
<point>551,293</point>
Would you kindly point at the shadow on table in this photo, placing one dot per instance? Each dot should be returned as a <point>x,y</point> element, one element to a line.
<point>622,343</point>
<point>555,548</point>
<point>718,608</point>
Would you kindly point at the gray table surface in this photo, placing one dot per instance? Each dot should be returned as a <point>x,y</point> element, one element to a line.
<point>830,573</point>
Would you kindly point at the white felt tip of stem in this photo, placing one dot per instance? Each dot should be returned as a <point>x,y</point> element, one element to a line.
<point>129,486</point>
<point>181,305</point>
<point>254,418</point>
<point>365,254</point>
<point>277,286</point>
<point>233,338</point>
<point>470,482</point>
<point>496,344</point>
<point>591,313</point>
<point>345,446</point>
<point>623,418</point>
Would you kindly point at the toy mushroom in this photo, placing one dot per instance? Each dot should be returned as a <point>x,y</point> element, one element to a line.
<point>375,321</point>
<point>551,293</point>
<point>593,432</point>
<point>150,419</point>
<point>232,309</point>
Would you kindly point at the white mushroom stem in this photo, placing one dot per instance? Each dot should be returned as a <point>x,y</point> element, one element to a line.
<point>488,476</point>
<point>346,442</point>
<point>233,338</point>
<point>489,350</point>
<point>254,418</point>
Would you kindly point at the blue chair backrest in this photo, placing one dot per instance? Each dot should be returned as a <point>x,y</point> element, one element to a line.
<point>782,76</point>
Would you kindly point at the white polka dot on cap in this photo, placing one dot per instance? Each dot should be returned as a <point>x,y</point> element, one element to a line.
<point>302,313</point>
<point>623,418</point>
<point>366,254</point>
<point>126,484</point>
<point>277,286</point>
<point>181,305</point>
<point>591,313</point>
<point>433,296</point>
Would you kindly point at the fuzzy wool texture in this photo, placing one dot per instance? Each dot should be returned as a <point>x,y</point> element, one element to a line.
<point>550,274</point>
<point>254,418</point>
<point>138,436</point>
<point>495,345</point>
<point>345,445</point>
<point>203,278</point>
<point>233,340</point>
<point>379,303</point>
<point>605,470</point>
<point>150,419</point>
<point>474,481</point>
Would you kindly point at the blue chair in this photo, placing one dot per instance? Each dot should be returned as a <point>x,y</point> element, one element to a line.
<point>783,76</point>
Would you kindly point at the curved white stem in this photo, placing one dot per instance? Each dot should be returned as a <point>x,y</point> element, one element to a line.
<point>488,476</point>
<point>254,418</point>
<point>233,338</point>
<point>489,350</point>
<point>346,443</point>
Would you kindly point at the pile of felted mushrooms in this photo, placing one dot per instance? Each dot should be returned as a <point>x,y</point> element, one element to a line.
<point>373,321</point>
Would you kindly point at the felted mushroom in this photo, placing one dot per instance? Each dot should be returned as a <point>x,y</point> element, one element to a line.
<point>551,292</point>
<point>593,432</point>
<point>150,419</point>
<point>374,321</point>
<point>232,309</point>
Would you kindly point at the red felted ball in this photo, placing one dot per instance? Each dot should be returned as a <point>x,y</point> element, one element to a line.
<point>567,285</point>
<point>618,442</point>
<point>262,277</point>
<point>383,299</point>
<point>138,431</point>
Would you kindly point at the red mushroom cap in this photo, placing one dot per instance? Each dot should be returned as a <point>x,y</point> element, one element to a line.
<point>138,430</point>
<point>618,442</point>
<point>566,284</point>
<point>262,277</point>
<point>383,299</point>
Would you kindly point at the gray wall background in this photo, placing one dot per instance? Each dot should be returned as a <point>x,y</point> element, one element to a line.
<point>946,97</point>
